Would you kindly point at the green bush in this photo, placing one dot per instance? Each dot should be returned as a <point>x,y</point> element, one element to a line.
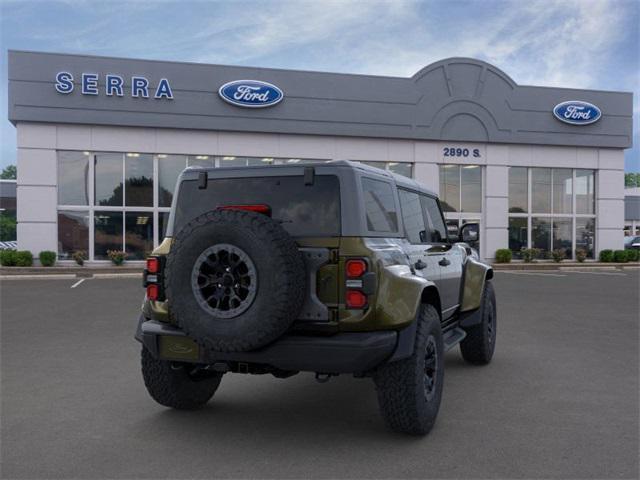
<point>581,254</point>
<point>529,254</point>
<point>79,256</point>
<point>620,256</point>
<point>7,258</point>
<point>503,255</point>
<point>117,256</point>
<point>558,255</point>
<point>24,258</point>
<point>606,256</point>
<point>47,258</point>
<point>633,255</point>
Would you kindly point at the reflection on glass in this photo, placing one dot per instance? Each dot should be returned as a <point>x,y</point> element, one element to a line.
<point>108,179</point>
<point>405,169</point>
<point>138,239</point>
<point>169,167</point>
<point>200,161</point>
<point>517,235</point>
<point>138,173</point>
<point>163,221</point>
<point>253,161</point>
<point>518,190</point>
<point>412,216</point>
<point>473,243</point>
<point>108,233</point>
<point>562,234</point>
<point>562,190</point>
<point>379,206</point>
<point>541,235</point>
<point>230,161</point>
<point>73,233</point>
<point>380,165</point>
<point>585,197</point>
<point>541,190</point>
<point>585,235</point>
<point>471,180</point>
<point>450,188</point>
<point>73,178</point>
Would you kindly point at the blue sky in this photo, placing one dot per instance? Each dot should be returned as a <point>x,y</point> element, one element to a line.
<point>569,43</point>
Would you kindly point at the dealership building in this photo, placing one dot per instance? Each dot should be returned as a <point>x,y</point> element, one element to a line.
<point>102,140</point>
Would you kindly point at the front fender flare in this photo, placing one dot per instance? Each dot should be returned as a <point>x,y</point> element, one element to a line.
<point>475,274</point>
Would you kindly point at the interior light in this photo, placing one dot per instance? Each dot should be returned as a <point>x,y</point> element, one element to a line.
<point>202,157</point>
<point>293,160</point>
<point>470,166</point>
<point>228,158</point>
<point>266,159</point>
<point>393,164</point>
<point>85,153</point>
<point>133,154</point>
<point>162,155</point>
<point>142,220</point>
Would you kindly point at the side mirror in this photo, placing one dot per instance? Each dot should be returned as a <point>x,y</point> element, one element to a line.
<point>452,232</point>
<point>470,232</point>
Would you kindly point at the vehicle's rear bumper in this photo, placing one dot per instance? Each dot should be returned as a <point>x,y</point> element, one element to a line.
<point>340,353</point>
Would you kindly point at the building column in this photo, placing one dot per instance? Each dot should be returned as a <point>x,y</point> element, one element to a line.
<point>36,192</point>
<point>495,210</point>
<point>610,200</point>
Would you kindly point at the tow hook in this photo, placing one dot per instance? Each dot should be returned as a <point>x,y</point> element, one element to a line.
<point>323,377</point>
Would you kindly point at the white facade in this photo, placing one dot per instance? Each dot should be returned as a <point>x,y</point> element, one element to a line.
<point>38,144</point>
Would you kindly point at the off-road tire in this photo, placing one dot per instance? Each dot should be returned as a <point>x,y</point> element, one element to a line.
<point>402,397</point>
<point>171,384</point>
<point>478,346</point>
<point>281,280</point>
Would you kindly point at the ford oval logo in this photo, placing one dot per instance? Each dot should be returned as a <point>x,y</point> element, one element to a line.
<point>250,93</point>
<point>577,112</point>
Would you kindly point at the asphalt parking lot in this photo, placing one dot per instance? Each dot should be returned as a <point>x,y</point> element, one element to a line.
<point>560,399</point>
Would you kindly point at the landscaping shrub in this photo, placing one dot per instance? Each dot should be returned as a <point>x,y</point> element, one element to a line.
<point>620,256</point>
<point>7,258</point>
<point>606,256</point>
<point>24,258</point>
<point>581,254</point>
<point>117,256</point>
<point>558,255</point>
<point>529,254</point>
<point>47,258</point>
<point>633,255</point>
<point>503,255</point>
<point>79,256</point>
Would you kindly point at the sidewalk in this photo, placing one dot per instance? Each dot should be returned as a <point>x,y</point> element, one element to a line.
<point>73,271</point>
<point>565,266</point>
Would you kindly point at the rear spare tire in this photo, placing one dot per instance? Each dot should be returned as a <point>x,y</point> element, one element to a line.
<point>235,280</point>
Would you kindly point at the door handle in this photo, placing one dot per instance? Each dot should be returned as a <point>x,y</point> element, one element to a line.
<point>444,262</point>
<point>419,265</point>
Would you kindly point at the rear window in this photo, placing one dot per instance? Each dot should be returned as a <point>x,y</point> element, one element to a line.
<point>303,210</point>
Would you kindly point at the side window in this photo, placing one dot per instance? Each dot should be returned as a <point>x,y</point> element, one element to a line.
<point>437,228</point>
<point>379,206</point>
<point>412,216</point>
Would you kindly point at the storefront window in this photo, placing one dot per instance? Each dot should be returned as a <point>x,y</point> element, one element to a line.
<point>562,190</point>
<point>405,169</point>
<point>450,188</point>
<point>200,161</point>
<point>108,179</point>
<point>138,239</point>
<point>471,188</point>
<point>73,178</point>
<point>518,190</point>
<point>562,235</point>
<point>541,235</point>
<point>163,221</point>
<point>138,172</point>
<point>73,233</point>
<point>169,167</point>
<point>541,190</point>
<point>517,235</point>
<point>585,235</point>
<point>107,233</point>
<point>585,191</point>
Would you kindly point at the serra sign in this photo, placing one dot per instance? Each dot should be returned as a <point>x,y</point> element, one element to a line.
<point>113,85</point>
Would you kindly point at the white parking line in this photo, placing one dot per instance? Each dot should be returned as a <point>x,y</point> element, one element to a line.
<point>598,273</point>
<point>78,283</point>
<point>532,273</point>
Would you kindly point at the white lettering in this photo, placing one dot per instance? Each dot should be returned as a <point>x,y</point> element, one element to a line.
<point>248,94</point>
<point>575,112</point>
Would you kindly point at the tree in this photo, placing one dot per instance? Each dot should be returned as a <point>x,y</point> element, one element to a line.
<point>632,180</point>
<point>9,172</point>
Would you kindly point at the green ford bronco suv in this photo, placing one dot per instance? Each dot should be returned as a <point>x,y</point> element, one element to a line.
<point>329,268</point>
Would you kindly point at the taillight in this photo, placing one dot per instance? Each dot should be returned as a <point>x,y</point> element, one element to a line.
<point>355,270</point>
<point>153,291</point>
<point>153,265</point>
<point>258,208</point>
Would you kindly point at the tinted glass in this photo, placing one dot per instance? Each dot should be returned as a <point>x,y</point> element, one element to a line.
<point>471,181</point>
<point>541,235</point>
<point>585,192</point>
<point>517,235</point>
<point>450,187</point>
<point>518,190</point>
<point>73,233</point>
<point>73,178</point>
<point>200,161</point>
<point>437,231</point>
<point>380,165</point>
<point>412,216</point>
<point>252,161</point>
<point>108,233</point>
<point>169,167</point>
<point>586,234</point>
<point>163,222</point>
<point>108,184</point>
<point>405,169</point>
<point>379,205</point>
<point>138,240</point>
<point>541,190</point>
<point>562,190</point>
<point>304,210</point>
<point>138,174</point>
<point>233,161</point>
<point>562,235</point>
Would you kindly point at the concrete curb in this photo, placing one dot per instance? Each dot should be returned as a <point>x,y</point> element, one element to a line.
<point>565,266</point>
<point>80,272</point>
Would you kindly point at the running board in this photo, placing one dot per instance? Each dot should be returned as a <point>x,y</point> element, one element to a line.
<point>453,338</point>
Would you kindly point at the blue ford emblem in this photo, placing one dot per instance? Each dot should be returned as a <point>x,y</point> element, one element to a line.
<point>576,112</point>
<point>250,93</point>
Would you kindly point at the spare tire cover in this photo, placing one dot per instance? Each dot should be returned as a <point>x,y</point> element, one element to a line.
<point>234,280</point>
